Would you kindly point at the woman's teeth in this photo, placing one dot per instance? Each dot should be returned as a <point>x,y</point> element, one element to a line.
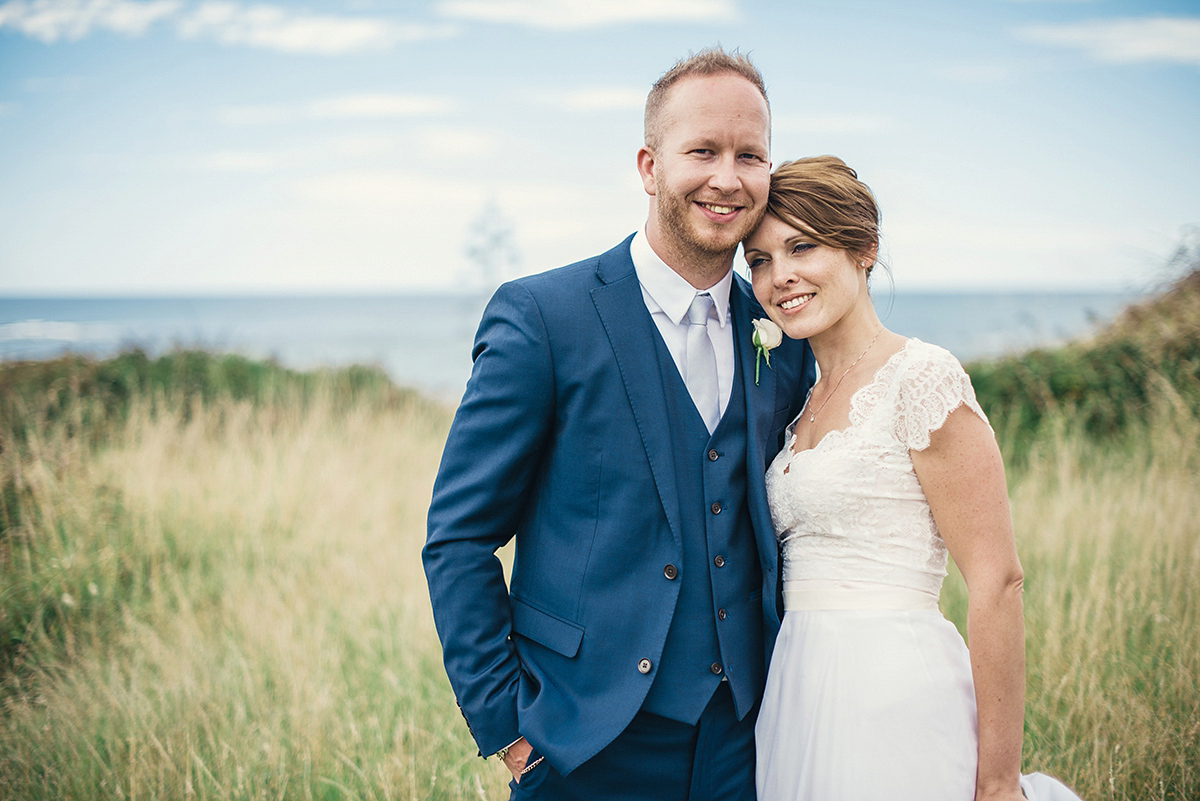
<point>794,302</point>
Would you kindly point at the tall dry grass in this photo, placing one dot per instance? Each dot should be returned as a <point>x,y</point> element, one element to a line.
<point>223,599</point>
<point>1109,537</point>
<point>230,605</point>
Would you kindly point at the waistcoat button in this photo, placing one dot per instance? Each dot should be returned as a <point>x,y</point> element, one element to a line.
<point>716,508</point>
<point>716,668</point>
<point>670,572</point>
<point>644,666</point>
<point>719,560</point>
<point>713,455</point>
<point>721,614</point>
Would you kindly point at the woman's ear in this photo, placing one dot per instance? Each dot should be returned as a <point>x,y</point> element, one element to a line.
<point>869,258</point>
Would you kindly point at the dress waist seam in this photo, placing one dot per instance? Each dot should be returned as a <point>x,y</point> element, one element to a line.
<point>821,594</point>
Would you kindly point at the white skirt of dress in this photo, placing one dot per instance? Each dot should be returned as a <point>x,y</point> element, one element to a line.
<point>867,704</point>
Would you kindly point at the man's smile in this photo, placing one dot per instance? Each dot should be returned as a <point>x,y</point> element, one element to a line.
<point>719,209</point>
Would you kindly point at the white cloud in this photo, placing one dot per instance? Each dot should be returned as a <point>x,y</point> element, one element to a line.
<point>52,20</point>
<point>380,106</point>
<point>265,114</point>
<point>576,14</point>
<point>938,231</point>
<point>244,161</point>
<point>411,221</point>
<point>1171,39</point>
<point>377,189</point>
<point>834,123</point>
<point>270,27</point>
<point>979,74</point>
<point>275,28</point>
<point>457,144</point>
<point>928,250</point>
<point>370,145</point>
<point>56,83</point>
<point>612,98</point>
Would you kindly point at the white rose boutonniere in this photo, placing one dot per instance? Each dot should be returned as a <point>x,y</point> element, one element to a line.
<point>767,335</point>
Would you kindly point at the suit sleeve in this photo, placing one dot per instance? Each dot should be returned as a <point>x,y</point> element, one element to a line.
<point>489,467</point>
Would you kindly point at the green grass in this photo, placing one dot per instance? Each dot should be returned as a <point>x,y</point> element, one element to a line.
<point>1106,384</point>
<point>210,584</point>
<point>1109,537</point>
<point>222,598</point>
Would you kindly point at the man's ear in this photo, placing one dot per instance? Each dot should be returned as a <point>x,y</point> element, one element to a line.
<point>645,165</point>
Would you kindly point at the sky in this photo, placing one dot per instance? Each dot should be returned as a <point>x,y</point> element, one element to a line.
<point>226,147</point>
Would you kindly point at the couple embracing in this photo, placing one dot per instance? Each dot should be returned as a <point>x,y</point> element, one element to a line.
<point>690,505</point>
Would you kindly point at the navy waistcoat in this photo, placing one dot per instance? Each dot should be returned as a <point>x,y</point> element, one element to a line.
<point>716,631</point>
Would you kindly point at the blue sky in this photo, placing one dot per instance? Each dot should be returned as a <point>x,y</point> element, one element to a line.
<point>197,146</point>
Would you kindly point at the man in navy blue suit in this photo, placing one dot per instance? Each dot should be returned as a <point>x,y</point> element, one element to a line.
<point>615,424</point>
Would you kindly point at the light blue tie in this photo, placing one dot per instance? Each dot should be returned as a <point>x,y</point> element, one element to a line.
<point>701,377</point>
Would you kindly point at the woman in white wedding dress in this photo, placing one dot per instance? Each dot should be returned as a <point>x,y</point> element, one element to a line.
<point>872,695</point>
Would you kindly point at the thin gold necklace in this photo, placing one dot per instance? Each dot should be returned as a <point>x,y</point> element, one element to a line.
<point>812,417</point>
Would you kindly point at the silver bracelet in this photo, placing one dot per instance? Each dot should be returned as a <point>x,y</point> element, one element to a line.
<point>532,765</point>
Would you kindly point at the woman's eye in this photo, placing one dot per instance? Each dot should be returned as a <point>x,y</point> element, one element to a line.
<point>757,261</point>
<point>800,247</point>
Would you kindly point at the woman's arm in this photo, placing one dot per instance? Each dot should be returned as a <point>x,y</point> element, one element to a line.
<point>962,475</point>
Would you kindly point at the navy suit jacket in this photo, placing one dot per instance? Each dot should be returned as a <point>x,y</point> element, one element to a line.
<point>562,440</point>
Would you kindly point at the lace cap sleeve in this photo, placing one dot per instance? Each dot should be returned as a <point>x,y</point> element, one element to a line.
<point>932,384</point>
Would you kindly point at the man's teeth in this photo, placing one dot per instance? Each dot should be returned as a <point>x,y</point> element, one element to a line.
<point>719,209</point>
<point>794,302</point>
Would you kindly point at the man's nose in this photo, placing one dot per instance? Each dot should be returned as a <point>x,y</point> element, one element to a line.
<point>725,178</point>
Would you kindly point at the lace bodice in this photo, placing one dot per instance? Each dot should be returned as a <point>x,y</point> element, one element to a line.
<point>851,508</point>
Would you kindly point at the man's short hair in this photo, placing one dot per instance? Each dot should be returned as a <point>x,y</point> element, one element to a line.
<point>710,61</point>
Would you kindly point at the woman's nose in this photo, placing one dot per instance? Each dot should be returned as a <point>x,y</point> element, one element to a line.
<point>782,273</point>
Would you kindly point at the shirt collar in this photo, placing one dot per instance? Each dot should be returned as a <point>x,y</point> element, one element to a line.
<point>670,290</point>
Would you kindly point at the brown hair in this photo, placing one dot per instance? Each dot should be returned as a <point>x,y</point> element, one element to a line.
<point>823,197</point>
<point>710,61</point>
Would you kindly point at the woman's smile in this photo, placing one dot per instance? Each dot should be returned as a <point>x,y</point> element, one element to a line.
<point>796,301</point>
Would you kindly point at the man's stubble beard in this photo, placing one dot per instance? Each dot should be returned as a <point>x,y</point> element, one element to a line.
<point>690,243</point>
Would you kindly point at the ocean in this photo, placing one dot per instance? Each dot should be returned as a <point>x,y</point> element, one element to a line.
<point>424,340</point>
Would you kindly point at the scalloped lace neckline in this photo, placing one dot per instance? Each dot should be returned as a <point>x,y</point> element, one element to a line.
<point>856,416</point>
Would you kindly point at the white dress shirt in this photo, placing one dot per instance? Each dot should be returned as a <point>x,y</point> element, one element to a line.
<point>668,296</point>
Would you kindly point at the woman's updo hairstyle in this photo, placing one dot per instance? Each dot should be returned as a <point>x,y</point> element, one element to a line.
<point>823,198</point>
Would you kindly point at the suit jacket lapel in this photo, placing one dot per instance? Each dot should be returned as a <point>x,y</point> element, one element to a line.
<point>760,408</point>
<point>631,333</point>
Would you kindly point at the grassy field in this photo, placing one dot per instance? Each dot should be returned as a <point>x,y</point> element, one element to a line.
<point>225,600</point>
<point>210,587</point>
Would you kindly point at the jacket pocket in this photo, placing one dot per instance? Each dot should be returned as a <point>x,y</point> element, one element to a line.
<point>559,635</point>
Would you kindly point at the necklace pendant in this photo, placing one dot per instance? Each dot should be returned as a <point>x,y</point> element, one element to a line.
<point>813,416</point>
